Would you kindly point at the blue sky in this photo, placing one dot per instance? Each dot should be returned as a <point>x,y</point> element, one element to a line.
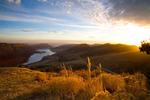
<point>88,21</point>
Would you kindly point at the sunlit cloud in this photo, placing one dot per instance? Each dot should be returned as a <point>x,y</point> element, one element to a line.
<point>135,11</point>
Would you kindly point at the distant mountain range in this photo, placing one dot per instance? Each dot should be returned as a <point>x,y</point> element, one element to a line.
<point>115,57</point>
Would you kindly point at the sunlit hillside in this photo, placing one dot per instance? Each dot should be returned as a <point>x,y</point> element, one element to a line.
<point>25,84</point>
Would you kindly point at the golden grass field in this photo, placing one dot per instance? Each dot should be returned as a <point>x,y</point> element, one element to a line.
<point>25,84</point>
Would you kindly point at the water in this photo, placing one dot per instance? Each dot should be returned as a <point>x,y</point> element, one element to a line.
<point>41,53</point>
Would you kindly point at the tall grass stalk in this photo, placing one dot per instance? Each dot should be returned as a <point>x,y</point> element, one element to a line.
<point>64,68</point>
<point>101,77</point>
<point>70,72</point>
<point>89,67</point>
<point>70,68</point>
<point>99,68</point>
<point>103,90</point>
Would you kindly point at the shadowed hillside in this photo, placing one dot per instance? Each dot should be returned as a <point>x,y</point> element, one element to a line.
<point>13,54</point>
<point>16,54</point>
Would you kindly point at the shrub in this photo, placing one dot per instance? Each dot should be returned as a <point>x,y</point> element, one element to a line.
<point>102,95</point>
<point>113,83</point>
<point>92,87</point>
<point>122,96</point>
<point>66,87</point>
<point>136,83</point>
<point>41,77</point>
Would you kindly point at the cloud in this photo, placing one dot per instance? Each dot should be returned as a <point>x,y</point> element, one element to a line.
<point>14,1</point>
<point>79,26</point>
<point>136,11</point>
<point>111,11</point>
<point>93,10</point>
<point>29,18</point>
<point>42,0</point>
<point>98,11</point>
<point>30,30</point>
<point>27,30</point>
<point>17,2</point>
<point>43,19</point>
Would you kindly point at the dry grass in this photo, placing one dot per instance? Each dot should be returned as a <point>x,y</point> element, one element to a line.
<point>66,88</point>
<point>113,83</point>
<point>17,81</point>
<point>26,84</point>
<point>136,84</point>
<point>89,67</point>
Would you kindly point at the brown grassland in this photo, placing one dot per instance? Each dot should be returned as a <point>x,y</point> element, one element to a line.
<point>26,84</point>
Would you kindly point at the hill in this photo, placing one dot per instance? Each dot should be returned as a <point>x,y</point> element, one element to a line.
<point>115,57</point>
<point>72,80</point>
<point>16,54</point>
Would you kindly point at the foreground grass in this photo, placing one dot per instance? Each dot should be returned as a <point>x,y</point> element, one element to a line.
<point>25,84</point>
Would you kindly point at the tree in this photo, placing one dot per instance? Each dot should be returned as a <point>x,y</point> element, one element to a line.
<point>145,47</point>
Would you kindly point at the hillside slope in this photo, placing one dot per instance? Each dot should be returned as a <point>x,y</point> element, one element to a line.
<point>116,57</point>
<point>25,84</point>
<point>14,54</point>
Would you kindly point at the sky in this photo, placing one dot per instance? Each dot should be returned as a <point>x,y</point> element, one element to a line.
<point>80,21</point>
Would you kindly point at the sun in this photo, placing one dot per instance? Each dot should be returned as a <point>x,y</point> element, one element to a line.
<point>131,33</point>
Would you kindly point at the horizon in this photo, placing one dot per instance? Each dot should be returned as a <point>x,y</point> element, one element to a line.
<point>75,21</point>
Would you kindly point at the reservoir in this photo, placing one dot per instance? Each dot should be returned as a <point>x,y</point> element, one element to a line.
<point>39,55</point>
